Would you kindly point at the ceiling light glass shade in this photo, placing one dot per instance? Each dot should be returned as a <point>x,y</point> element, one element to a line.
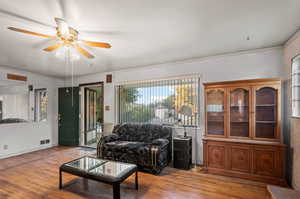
<point>64,30</point>
<point>62,53</point>
<point>62,26</point>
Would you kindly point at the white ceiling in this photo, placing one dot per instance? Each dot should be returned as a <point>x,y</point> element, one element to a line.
<point>142,32</point>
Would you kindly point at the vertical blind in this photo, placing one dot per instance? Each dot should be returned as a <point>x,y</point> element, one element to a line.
<point>296,86</point>
<point>41,103</point>
<point>161,101</point>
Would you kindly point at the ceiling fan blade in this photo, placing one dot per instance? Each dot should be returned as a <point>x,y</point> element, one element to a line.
<point>96,44</point>
<point>62,26</point>
<point>53,47</point>
<point>83,52</point>
<point>31,33</point>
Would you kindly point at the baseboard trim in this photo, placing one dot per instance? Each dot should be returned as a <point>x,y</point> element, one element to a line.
<point>27,151</point>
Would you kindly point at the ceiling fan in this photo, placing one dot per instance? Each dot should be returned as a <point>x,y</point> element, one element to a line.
<point>67,36</point>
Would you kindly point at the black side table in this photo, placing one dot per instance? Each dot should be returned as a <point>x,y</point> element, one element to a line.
<point>182,152</point>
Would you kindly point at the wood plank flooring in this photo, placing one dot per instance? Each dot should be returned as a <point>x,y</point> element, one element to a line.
<point>35,176</point>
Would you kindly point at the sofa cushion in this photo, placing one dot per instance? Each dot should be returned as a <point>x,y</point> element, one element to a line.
<point>134,133</point>
<point>128,132</point>
<point>124,151</point>
<point>124,146</point>
<point>141,132</point>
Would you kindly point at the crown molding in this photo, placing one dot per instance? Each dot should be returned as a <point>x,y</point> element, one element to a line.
<point>200,59</point>
<point>294,36</point>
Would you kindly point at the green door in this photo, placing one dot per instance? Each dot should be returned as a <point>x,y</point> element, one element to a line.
<point>68,110</point>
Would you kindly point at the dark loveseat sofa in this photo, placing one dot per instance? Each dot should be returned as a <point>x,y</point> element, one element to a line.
<point>146,145</point>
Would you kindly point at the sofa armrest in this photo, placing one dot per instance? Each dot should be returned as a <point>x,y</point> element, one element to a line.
<point>160,142</point>
<point>103,140</point>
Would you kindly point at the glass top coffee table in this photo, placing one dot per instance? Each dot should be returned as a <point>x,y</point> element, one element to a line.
<point>109,172</point>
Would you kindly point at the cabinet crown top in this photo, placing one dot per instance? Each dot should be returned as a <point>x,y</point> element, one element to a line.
<point>247,81</point>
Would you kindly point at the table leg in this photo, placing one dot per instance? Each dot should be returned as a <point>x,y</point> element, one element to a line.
<point>136,181</point>
<point>116,190</point>
<point>60,179</point>
<point>85,184</point>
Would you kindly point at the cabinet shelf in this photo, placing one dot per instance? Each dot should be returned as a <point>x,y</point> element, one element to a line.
<point>215,120</point>
<point>215,132</point>
<point>237,106</point>
<point>266,122</point>
<point>265,105</point>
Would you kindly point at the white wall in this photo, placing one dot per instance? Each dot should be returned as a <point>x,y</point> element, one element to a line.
<point>291,49</point>
<point>25,137</point>
<point>263,63</point>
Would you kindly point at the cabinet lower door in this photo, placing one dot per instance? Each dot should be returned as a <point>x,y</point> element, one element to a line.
<point>268,162</point>
<point>240,158</point>
<point>216,157</point>
<point>250,161</point>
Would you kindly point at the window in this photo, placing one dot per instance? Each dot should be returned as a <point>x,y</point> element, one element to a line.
<point>161,101</point>
<point>296,86</point>
<point>41,103</point>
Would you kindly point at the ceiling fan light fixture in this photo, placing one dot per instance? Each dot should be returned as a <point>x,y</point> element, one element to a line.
<point>64,30</point>
<point>67,37</point>
<point>62,26</point>
<point>61,53</point>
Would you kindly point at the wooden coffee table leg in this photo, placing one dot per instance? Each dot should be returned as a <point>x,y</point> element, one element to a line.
<point>60,179</point>
<point>116,190</point>
<point>136,181</point>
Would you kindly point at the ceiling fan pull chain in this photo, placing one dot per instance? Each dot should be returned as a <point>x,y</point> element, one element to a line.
<point>72,75</point>
<point>66,71</point>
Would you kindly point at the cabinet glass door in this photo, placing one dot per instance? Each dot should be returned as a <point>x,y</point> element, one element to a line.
<point>239,112</point>
<point>215,112</point>
<point>265,113</point>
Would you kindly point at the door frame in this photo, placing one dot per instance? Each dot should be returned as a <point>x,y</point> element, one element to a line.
<point>83,116</point>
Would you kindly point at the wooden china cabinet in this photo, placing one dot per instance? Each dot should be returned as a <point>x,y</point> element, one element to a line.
<point>242,136</point>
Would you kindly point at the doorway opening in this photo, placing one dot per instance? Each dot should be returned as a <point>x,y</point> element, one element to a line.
<point>91,113</point>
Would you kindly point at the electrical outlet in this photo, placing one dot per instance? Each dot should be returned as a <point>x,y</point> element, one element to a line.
<point>47,141</point>
<point>42,142</point>
<point>5,147</point>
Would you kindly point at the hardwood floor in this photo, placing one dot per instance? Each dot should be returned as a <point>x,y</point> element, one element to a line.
<point>35,176</point>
